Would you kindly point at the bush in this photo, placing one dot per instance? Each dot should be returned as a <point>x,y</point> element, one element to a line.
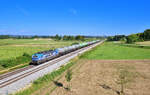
<point>132,38</point>
<point>25,54</point>
<point>78,37</point>
<point>68,75</point>
<point>75,43</point>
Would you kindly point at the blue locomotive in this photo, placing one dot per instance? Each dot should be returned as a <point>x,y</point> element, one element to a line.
<point>45,56</point>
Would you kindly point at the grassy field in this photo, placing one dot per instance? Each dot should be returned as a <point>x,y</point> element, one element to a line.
<point>10,48</point>
<point>110,50</point>
<point>18,51</point>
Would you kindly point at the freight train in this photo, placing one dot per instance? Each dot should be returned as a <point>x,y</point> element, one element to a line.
<point>44,56</point>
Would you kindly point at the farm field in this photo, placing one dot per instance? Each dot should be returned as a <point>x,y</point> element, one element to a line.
<point>110,50</point>
<point>96,77</point>
<point>14,52</point>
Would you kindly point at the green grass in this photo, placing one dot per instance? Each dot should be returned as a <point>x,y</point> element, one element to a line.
<point>135,46</point>
<point>110,50</point>
<point>45,80</point>
<point>12,50</point>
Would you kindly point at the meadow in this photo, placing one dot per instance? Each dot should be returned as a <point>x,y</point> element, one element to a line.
<point>112,50</point>
<point>14,52</point>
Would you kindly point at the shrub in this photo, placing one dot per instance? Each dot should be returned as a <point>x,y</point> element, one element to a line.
<point>26,54</point>
<point>132,38</point>
<point>68,75</point>
<point>75,43</point>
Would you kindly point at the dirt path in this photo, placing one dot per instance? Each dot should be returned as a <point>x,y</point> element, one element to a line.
<point>99,77</point>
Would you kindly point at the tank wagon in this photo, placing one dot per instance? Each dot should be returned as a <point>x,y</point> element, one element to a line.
<point>45,56</point>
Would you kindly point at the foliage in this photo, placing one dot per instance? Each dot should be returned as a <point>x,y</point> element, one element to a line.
<point>132,38</point>
<point>140,36</point>
<point>115,38</point>
<point>110,38</point>
<point>68,76</point>
<point>22,36</point>
<point>74,43</point>
<point>146,34</point>
<point>4,36</point>
<point>57,37</point>
<point>68,37</point>
<point>78,37</point>
<point>65,37</point>
<point>123,40</point>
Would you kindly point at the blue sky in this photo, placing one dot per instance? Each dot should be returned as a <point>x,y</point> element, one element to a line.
<point>74,17</point>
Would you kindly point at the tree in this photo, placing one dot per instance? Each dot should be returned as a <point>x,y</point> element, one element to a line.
<point>57,37</point>
<point>4,36</point>
<point>78,37</point>
<point>116,37</point>
<point>110,38</point>
<point>140,36</point>
<point>146,34</point>
<point>65,37</point>
<point>132,38</point>
<point>71,38</point>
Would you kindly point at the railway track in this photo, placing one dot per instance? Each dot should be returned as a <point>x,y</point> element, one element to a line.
<point>3,76</point>
<point>35,69</point>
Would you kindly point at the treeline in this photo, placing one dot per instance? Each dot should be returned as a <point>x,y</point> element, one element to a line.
<point>56,37</point>
<point>116,37</point>
<point>22,37</point>
<point>66,37</point>
<point>145,36</point>
<point>4,36</point>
